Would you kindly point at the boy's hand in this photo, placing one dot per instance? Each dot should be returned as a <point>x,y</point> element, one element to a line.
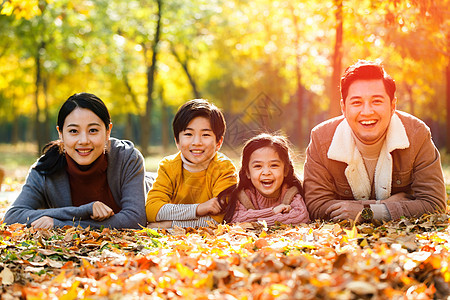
<point>101,211</point>
<point>282,208</point>
<point>43,223</point>
<point>210,207</point>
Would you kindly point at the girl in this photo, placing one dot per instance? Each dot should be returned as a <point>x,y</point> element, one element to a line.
<point>86,177</point>
<point>268,188</point>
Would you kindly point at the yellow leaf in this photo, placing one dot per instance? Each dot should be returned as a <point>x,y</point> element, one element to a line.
<point>352,234</point>
<point>207,282</point>
<point>277,289</point>
<point>364,243</point>
<point>185,272</point>
<point>60,278</point>
<point>72,293</point>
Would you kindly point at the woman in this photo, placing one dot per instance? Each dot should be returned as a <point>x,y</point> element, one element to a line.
<point>86,177</point>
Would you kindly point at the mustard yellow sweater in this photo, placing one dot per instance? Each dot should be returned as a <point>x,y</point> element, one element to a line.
<point>176,185</point>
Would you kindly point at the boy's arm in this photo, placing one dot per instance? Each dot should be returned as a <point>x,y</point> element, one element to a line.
<point>225,172</point>
<point>178,212</point>
<point>160,194</point>
<point>200,222</point>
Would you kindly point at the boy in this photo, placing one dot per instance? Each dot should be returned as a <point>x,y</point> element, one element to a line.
<point>186,188</point>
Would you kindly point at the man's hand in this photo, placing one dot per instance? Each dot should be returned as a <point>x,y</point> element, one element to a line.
<point>101,211</point>
<point>344,210</point>
<point>43,223</point>
<point>210,207</point>
<point>162,224</point>
<point>282,208</point>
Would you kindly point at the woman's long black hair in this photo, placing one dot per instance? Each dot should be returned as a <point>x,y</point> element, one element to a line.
<point>277,142</point>
<point>53,158</point>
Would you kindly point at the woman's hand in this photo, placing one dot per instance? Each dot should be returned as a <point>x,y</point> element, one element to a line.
<point>282,208</point>
<point>210,207</point>
<point>43,223</point>
<point>101,211</point>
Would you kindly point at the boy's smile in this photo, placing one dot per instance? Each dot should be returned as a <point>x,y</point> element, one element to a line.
<point>198,142</point>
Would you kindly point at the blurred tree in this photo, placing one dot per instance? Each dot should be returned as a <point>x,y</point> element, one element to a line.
<point>335,109</point>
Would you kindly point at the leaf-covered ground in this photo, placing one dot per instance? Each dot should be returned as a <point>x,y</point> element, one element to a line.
<point>407,259</point>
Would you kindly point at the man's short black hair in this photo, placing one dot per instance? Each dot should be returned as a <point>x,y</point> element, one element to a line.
<point>366,70</point>
<point>199,108</point>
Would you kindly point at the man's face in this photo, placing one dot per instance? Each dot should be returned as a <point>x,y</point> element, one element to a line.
<point>368,109</point>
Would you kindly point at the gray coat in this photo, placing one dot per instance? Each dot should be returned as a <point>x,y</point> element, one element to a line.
<point>49,195</point>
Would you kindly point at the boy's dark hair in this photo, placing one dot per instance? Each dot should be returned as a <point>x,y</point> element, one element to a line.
<point>53,158</point>
<point>199,108</point>
<point>366,70</point>
<point>277,142</point>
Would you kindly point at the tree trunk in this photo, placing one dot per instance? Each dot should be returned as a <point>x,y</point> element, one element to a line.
<point>411,99</point>
<point>165,123</point>
<point>447,75</point>
<point>146,119</point>
<point>300,89</point>
<point>337,62</point>
<point>39,142</point>
<point>46,124</point>
<point>185,65</point>
<point>129,122</point>
<point>15,125</point>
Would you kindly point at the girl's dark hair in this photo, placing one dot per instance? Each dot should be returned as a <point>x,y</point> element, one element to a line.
<point>277,142</point>
<point>53,158</point>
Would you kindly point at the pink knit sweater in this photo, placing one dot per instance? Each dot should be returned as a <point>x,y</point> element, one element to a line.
<point>264,209</point>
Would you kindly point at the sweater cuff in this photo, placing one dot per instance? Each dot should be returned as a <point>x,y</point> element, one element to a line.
<point>380,212</point>
<point>172,212</point>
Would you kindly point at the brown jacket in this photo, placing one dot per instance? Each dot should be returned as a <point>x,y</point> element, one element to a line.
<point>413,162</point>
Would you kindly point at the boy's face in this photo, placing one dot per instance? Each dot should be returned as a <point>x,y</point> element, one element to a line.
<point>197,142</point>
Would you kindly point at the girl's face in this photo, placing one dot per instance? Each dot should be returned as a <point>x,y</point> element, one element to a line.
<point>84,135</point>
<point>266,171</point>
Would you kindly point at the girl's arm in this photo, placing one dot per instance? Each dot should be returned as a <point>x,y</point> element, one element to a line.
<point>298,213</point>
<point>242,214</point>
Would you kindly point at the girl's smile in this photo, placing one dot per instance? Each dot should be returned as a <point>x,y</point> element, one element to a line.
<point>266,172</point>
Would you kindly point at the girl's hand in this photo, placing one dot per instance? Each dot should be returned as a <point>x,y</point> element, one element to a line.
<point>282,208</point>
<point>210,207</point>
<point>101,211</point>
<point>43,223</point>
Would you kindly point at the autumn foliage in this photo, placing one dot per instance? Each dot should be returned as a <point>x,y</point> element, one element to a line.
<point>406,259</point>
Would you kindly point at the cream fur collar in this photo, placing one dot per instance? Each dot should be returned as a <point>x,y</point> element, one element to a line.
<point>343,148</point>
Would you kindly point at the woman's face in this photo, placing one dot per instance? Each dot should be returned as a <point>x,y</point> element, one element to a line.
<point>84,135</point>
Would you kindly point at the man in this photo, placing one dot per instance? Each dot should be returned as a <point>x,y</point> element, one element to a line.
<point>372,163</point>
